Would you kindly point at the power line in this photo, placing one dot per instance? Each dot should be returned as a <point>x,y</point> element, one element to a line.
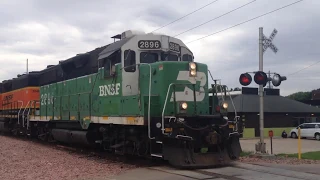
<point>214,18</point>
<point>307,73</point>
<point>307,79</point>
<point>245,21</point>
<point>184,16</point>
<point>304,68</point>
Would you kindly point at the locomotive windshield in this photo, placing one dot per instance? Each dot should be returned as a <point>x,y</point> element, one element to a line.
<point>187,57</point>
<point>169,57</point>
<point>151,57</point>
<point>146,57</point>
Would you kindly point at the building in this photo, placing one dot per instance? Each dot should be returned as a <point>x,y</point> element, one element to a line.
<point>280,113</point>
<point>315,94</point>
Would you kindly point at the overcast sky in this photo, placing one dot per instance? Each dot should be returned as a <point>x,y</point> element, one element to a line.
<point>48,31</point>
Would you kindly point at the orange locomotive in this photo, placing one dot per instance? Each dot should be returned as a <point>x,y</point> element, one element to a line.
<point>18,96</point>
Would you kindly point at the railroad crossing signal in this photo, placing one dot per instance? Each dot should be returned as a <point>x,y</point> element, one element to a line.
<point>245,79</point>
<point>267,42</point>
<point>277,79</point>
<point>261,78</point>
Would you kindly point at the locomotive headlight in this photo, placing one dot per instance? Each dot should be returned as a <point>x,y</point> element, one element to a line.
<point>193,72</point>
<point>225,105</point>
<point>192,66</point>
<point>184,105</point>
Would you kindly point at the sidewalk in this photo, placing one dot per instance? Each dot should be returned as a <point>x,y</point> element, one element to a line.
<point>306,168</point>
<point>288,145</point>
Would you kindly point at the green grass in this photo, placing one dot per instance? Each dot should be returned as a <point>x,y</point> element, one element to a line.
<point>315,155</point>
<point>245,153</point>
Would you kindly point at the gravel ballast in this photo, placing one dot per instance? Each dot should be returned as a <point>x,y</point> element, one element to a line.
<point>28,160</point>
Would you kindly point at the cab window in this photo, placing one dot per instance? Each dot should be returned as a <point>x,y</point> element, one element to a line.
<point>110,63</point>
<point>187,57</point>
<point>107,67</point>
<point>130,61</point>
<point>169,57</point>
<point>146,57</point>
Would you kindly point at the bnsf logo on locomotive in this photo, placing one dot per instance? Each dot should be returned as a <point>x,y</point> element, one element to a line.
<point>110,89</point>
<point>8,97</point>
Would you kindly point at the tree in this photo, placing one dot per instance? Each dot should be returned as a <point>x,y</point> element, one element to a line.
<point>229,90</point>
<point>214,89</point>
<point>237,89</point>
<point>300,96</point>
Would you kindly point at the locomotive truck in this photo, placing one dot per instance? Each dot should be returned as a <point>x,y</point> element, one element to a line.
<point>143,94</point>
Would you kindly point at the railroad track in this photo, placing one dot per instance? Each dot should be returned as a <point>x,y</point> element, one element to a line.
<point>237,171</point>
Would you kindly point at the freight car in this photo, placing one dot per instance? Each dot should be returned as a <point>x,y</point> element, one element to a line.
<point>142,95</point>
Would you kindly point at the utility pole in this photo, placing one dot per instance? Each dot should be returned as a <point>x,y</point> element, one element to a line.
<point>27,66</point>
<point>261,115</point>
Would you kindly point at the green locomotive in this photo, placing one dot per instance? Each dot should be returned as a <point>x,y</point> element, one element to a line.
<point>146,96</point>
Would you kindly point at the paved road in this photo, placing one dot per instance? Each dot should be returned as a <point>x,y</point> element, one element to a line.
<point>288,145</point>
<point>239,171</point>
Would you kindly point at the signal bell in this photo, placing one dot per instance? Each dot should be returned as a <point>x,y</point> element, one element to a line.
<point>245,79</point>
<point>261,78</point>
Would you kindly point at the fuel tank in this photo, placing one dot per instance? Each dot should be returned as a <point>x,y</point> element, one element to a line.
<point>72,137</point>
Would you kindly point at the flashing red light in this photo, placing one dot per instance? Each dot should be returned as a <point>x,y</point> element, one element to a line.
<point>245,79</point>
<point>260,78</point>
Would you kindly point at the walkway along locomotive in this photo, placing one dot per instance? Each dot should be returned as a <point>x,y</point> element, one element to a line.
<point>141,95</point>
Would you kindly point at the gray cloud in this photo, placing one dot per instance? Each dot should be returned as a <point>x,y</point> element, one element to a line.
<point>49,31</point>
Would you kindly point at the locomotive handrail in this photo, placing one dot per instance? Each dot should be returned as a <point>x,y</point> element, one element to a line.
<point>23,113</point>
<point>165,103</point>
<point>215,80</point>
<point>235,111</point>
<point>19,111</point>
<point>149,100</point>
<point>34,102</point>
<point>37,102</point>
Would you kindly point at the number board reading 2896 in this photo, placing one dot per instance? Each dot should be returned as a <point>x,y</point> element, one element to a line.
<point>174,47</point>
<point>149,44</point>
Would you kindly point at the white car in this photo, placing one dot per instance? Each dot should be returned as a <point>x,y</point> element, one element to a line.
<point>307,130</point>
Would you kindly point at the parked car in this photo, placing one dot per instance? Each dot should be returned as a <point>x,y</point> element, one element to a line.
<point>307,130</point>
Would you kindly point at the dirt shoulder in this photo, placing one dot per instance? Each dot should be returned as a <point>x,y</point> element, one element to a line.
<point>28,160</point>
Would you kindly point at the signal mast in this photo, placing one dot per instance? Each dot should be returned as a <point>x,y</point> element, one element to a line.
<point>262,79</point>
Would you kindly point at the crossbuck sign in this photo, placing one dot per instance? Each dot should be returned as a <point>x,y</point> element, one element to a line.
<point>267,42</point>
